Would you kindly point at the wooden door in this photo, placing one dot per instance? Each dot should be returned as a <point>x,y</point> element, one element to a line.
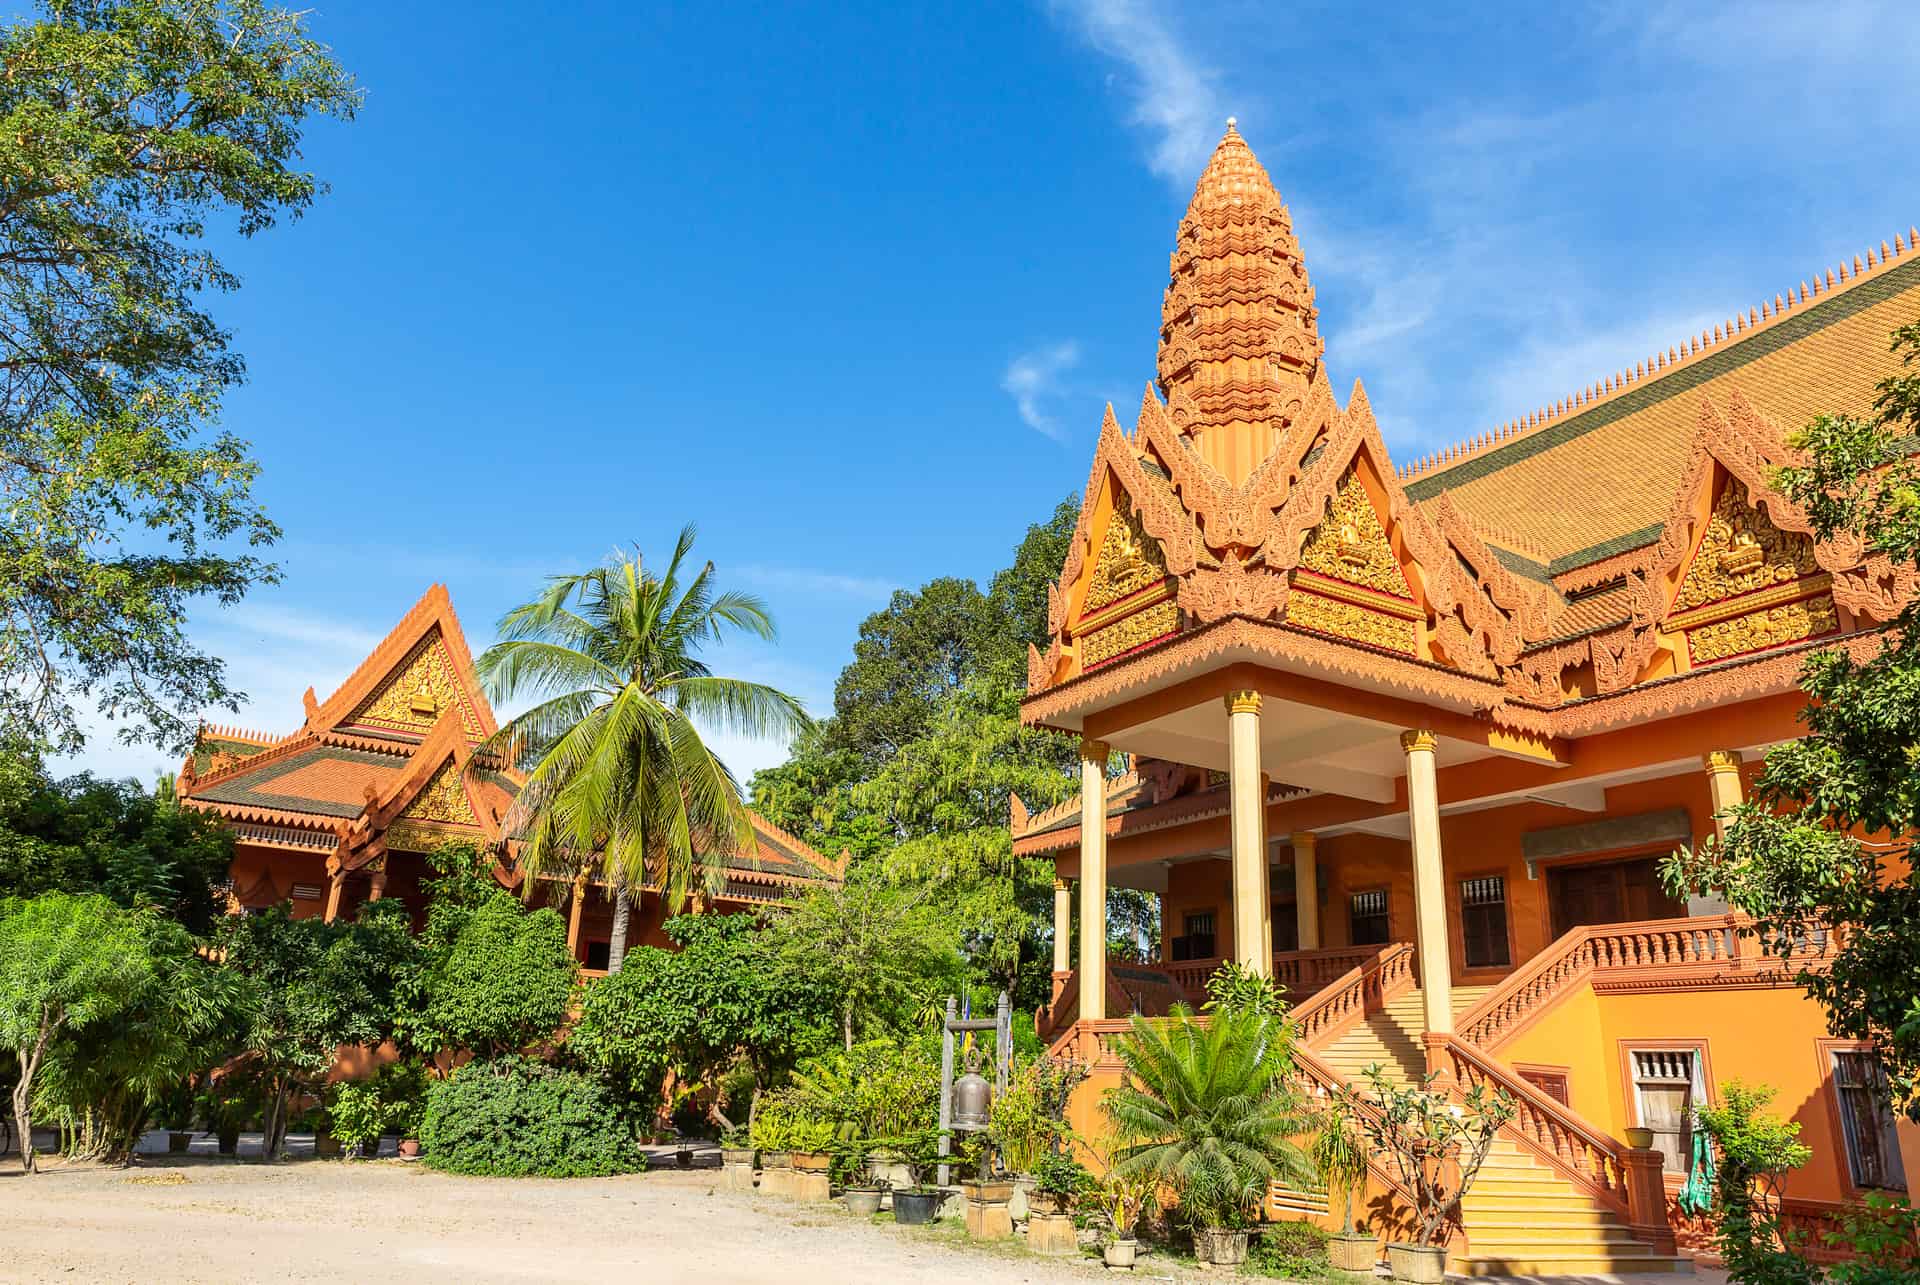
<point>1582,895</point>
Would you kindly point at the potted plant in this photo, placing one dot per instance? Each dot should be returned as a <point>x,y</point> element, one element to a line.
<point>860,1187</point>
<point>1435,1146</point>
<point>1029,1121</point>
<point>736,1159</point>
<point>1188,1085</point>
<point>772,1135</point>
<point>1058,1182</point>
<point>1340,1153</point>
<point>1640,1139</point>
<point>919,1202</point>
<point>1121,1200</point>
<point>812,1159</point>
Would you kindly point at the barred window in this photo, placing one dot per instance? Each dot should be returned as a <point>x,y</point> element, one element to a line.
<point>1367,918</point>
<point>1483,921</point>
<point>1663,1091</point>
<point>1866,1118</point>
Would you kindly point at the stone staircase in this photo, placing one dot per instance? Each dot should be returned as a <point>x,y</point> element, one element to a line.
<point>1523,1217</point>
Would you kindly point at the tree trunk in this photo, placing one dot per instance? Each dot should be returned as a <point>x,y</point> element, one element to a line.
<point>273,1121</point>
<point>23,1093</point>
<point>617,947</point>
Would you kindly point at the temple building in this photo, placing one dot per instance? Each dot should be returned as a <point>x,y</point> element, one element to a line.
<point>1413,738</point>
<point>345,809</point>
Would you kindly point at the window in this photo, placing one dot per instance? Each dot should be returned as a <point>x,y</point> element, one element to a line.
<point>1286,926</point>
<point>1483,921</point>
<point>1196,942</point>
<point>599,954</point>
<point>1549,1081</point>
<point>1866,1118</point>
<point>1367,918</point>
<point>1663,1091</point>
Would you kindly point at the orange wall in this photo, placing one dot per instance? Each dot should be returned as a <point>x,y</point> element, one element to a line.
<point>1763,1036</point>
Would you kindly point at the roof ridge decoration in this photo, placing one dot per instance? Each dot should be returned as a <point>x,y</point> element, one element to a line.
<point>1239,339</point>
<point>836,869</point>
<point>1737,327</point>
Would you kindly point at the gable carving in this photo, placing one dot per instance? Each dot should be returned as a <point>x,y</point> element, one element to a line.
<point>443,798</point>
<point>1741,551</point>
<point>421,688</point>
<point>1130,560</point>
<point>1351,545</point>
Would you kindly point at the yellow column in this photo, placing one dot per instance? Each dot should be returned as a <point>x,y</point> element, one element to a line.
<point>1062,926</point>
<point>1093,880</point>
<point>1306,890</point>
<point>1249,834</point>
<point>1723,784</point>
<point>1429,882</point>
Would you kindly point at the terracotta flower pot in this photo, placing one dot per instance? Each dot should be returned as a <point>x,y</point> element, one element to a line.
<point>863,1202</point>
<point>1355,1253</point>
<point>1221,1246</point>
<point>1121,1253</point>
<point>409,1148</point>
<point>326,1146</point>
<point>1418,1264</point>
<point>811,1161</point>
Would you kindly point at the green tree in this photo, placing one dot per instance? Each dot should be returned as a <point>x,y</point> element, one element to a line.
<point>1755,1150</point>
<point>65,962</point>
<point>693,1010</point>
<point>126,127</point>
<point>1210,1109</point>
<point>317,985</point>
<point>84,834</point>
<point>1019,593</point>
<point>616,768</point>
<point>1792,856</point>
<point>106,1078</point>
<point>883,951</point>
<point>909,658</point>
<point>504,983</point>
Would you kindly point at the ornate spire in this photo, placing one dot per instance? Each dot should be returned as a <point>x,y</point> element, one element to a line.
<point>1238,343</point>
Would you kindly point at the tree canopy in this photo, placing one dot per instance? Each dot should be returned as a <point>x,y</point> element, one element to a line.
<point>126,128</point>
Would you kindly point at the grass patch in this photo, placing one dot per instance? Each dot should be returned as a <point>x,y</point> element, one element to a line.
<point>170,1178</point>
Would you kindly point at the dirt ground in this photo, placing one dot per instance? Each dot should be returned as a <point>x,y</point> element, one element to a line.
<point>203,1219</point>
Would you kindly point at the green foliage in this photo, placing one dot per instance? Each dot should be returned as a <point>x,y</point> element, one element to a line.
<point>361,1112</point>
<point>1210,1108</point>
<point>1881,1241</point>
<point>1058,1174</point>
<point>317,986</point>
<point>84,835</point>
<point>1289,1250</point>
<point>106,1080</point>
<point>493,978</point>
<point>1235,988</point>
<point>126,126</point>
<point>1339,1152</point>
<point>516,1118</point>
<point>1029,1120</point>
<point>1790,856</point>
<point>617,772</point>
<point>66,962</point>
<point>786,1121</point>
<point>693,1010</point>
<point>1755,1150</point>
<point>880,949</point>
<point>1434,1143</point>
<point>877,1089</point>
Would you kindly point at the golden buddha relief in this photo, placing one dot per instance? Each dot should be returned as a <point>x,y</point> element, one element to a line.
<point>444,798</point>
<point>1741,551</point>
<point>414,696</point>
<point>1350,544</point>
<point>1129,560</point>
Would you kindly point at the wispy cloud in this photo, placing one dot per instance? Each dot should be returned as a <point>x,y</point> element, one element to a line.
<point>808,580</point>
<point>1033,381</point>
<point>1171,94</point>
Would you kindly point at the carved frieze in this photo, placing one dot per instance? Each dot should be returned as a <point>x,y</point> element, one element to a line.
<point>1129,561</point>
<point>1742,551</point>
<point>1788,622</point>
<point>1149,624</point>
<point>443,798</point>
<point>1349,544</point>
<point>1351,621</point>
<point>421,689</point>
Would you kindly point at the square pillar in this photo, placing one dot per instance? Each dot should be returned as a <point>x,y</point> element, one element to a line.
<point>336,884</point>
<point>1306,890</point>
<point>1093,880</point>
<point>1062,926</point>
<point>1429,882</point>
<point>1250,909</point>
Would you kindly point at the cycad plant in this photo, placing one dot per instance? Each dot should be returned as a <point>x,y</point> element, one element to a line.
<point>617,775</point>
<point>1209,1108</point>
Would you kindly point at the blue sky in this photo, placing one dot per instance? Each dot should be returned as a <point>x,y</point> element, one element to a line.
<point>848,285</point>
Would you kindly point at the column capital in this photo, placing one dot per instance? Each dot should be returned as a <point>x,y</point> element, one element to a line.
<point>1418,739</point>
<point>1304,839</point>
<point>1243,702</point>
<point>1721,760</point>
<point>1092,751</point>
<point>1060,885</point>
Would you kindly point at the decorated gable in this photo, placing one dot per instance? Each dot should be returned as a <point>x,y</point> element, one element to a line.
<point>411,699</point>
<point>1349,582</point>
<point>1129,600</point>
<point>1749,585</point>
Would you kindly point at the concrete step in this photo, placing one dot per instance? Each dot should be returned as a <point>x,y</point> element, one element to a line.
<point>1551,1264</point>
<point>1491,1239</point>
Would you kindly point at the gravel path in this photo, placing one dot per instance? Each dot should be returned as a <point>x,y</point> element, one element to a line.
<point>209,1220</point>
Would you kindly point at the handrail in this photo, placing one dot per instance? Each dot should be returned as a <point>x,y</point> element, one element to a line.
<point>1349,997</point>
<point>1328,1081</point>
<point>1298,972</point>
<point>1588,1158</point>
<point>1705,945</point>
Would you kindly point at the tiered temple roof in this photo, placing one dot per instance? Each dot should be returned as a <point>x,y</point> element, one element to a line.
<point>387,763</point>
<point>1616,557</point>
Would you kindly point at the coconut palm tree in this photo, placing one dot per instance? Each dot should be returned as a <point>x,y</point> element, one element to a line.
<point>1209,1108</point>
<point>617,775</point>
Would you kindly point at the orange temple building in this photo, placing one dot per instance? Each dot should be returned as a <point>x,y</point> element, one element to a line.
<point>345,809</point>
<point>1413,739</point>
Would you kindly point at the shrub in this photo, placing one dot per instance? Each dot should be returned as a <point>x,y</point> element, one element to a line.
<point>1061,1176</point>
<point>362,1111</point>
<point>514,1117</point>
<point>1289,1250</point>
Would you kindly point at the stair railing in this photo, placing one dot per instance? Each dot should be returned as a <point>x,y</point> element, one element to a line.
<point>1348,998</point>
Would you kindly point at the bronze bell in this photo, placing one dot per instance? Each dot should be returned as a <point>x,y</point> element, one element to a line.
<point>971,1097</point>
